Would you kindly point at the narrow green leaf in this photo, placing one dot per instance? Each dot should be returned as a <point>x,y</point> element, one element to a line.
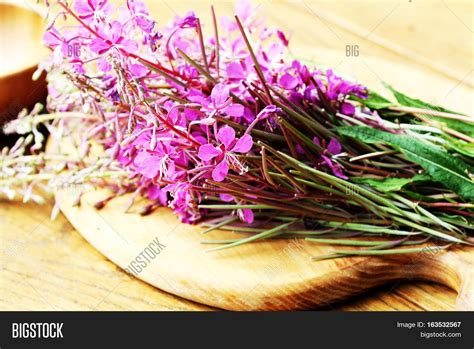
<point>390,184</point>
<point>439,164</point>
<point>418,196</point>
<point>429,230</point>
<point>379,252</point>
<point>425,213</point>
<point>221,224</point>
<point>367,228</point>
<point>461,146</point>
<point>426,249</point>
<point>407,101</point>
<point>458,125</point>
<point>263,235</point>
<point>349,242</point>
<point>236,207</point>
<point>374,101</point>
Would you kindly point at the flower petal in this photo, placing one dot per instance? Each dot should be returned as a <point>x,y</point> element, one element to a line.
<point>316,141</point>
<point>247,215</point>
<point>51,38</point>
<point>114,32</point>
<point>226,136</point>
<point>226,197</point>
<point>83,8</point>
<point>299,148</point>
<point>335,168</point>
<point>138,70</point>
<point>220,94</point>
<point>130,45</point>
<point>269,109</point>
<point>243,145</point>
<point>220,171</point>
<point>234,110</point>
<point>244,9</point>
<point>148,165</point>
<point>234,70</point>
<point>347,109</point>
<point>156,193</point>
<point>208,152</point>
<point>327,160</point>
<point>188,21</point>
<point>98,45</point>
<point>334,147</point>
<point>288,81</point>
<point>104,65</point>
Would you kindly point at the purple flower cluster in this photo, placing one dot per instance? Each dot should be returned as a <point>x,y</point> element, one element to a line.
<point>182,113</point>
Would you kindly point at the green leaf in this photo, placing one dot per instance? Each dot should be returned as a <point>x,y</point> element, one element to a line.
<point>461,146</point>
<point>390,184</point>
<point>407,101</point>
<point>458,125</point>
<point>439,164</point>
<point>367,252</point>
<point>418,196</point>
<point>374,101</point>
<point>263,235</point>
<point>462,221</point>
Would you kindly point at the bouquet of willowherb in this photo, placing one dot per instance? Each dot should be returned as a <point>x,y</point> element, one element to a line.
<point>230,134</point>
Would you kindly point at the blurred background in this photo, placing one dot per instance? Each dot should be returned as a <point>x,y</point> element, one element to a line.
<point>424,48</point>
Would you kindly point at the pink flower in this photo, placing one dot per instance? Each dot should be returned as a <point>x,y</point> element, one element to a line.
<point>141,15</point>
<point>164,128</point>
<point>111,36</point>
<point>245,214</point>
<point>245,10</point>
<point>188,21</point>
<point>221,103</point>
<point>338,87</point>
<point>282,38</point>
<point>184,203</point>
<point>89,10</point>
<point>62,45</point>
<point>155,163</point>
<point>138,70</point>
<point>235,71</point>
<point>288,81</point>
<point>154,192</point>
<point>334,148</point>
<point>264,113</point>
<point>57,43</point>
<point>224,153</point>
<point>347,109</point>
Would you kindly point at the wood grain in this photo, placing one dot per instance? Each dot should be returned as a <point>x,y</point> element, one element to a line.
<point>48,265</point>
<point>68,273</point>
<point>266,275</point>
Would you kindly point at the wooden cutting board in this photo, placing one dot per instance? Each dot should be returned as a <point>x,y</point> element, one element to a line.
<point>268,275</point>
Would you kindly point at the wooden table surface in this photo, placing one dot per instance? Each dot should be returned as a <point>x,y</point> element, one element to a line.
<point>47,265</point>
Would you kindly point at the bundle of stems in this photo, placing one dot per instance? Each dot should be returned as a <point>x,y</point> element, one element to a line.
<point>233,137</point>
